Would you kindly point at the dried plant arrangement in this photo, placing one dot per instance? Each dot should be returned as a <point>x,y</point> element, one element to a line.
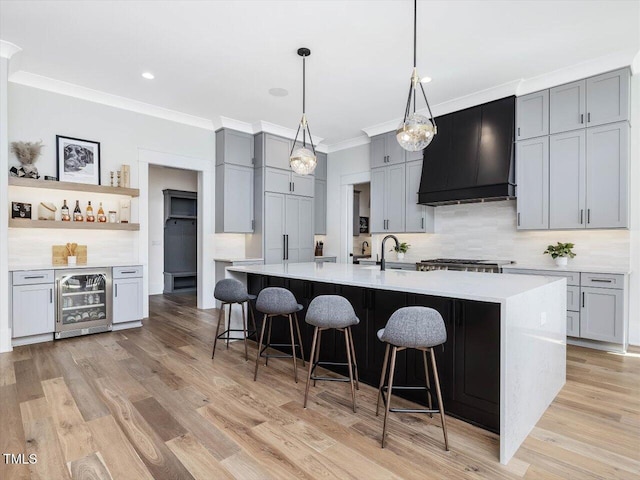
<point>27,154</point>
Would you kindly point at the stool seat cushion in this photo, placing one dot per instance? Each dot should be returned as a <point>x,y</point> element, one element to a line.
<point>331,311</point>
<point>230,290</point>
<point>414,327</point>
<point>277,301</point>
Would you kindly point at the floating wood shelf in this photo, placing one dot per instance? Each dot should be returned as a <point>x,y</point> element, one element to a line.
<point>73,187</point>
<point>25,223</point>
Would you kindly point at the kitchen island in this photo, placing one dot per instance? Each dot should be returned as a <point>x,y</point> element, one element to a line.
<point>505,356</point>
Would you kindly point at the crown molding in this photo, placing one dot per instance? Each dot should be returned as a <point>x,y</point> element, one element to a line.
<point>96,96</point>
<point>635,64</point>
<point>8,49</point>
<point>349,143</point>
<point>237,125</point>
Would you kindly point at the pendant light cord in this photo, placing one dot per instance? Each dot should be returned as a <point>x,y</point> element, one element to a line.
<point>415,31</point>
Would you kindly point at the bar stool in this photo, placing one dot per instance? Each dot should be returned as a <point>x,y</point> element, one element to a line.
<point>231,291</point>
<point>420,328</point>
<point>327,312</point>
<point>278,302</point>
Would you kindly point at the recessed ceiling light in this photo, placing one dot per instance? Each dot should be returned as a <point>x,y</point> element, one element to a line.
<point>148,75</point>
<point>425,79</point>
<point>278,92</point>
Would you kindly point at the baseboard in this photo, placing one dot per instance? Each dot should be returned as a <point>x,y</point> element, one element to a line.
<point>604,346</point>
<point>45,337</point>
<point>126,325</point>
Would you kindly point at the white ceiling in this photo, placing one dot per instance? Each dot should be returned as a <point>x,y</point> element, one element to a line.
<point>214,58</point>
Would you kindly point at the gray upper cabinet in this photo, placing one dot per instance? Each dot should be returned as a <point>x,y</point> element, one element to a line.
<point>276,151</point>
<point>411,156</point>
<point>567,171</point>
<point>234,147</point>
<point>385,150</point>
<point>277,181</point>
<point>532,115</point>
<point>321,168</point>
<point>418,218</point>
<point>607,176</point>
<point>274,228</point>
<point>234,199</point>
<point>320,206</point>
<point>388,199</point>
<point>608,97</point>
<point>567,107</point>
<point>532,178</point>
<point>302,185</point>
<point>602,315</point>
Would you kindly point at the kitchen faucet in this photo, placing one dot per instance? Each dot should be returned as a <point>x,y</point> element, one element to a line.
<point>382,261</point>
<point>363,244</point>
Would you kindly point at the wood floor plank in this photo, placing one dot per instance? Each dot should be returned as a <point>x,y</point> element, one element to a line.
<point>197,459</point>
<point>12,434</point>
<point>166,375</point>
<point>7,372</point>
<point>244,466</point>
<point>91,467</point>
<point>42,440</point>
<point>159,419</point>
<point>27,380</point>
<point>44,359</point>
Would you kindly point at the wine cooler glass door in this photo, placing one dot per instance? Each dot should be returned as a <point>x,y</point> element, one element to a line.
<point>84,300</point>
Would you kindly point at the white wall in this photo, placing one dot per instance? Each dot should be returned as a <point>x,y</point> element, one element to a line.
<point>634,191</point>
<point>161,178</point>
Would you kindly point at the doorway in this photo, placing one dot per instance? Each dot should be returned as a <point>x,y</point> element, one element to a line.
<point>361,245</point>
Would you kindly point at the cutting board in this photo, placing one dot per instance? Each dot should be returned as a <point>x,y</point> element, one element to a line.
<point>60,254</point>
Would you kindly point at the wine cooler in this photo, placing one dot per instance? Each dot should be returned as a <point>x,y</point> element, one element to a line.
<point>84,302</point>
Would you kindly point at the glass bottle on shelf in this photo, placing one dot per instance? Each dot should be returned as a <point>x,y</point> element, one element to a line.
<point>77,213</point>
<point>90,216</point>
<point>102,218</point>
<point>64,212</point>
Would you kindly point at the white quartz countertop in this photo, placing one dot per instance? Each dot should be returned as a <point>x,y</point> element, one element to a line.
<point>48,266</point>
<point>569,268</point>
<point>326,256</point>
<point>486,287</point>
<point>237,259</point>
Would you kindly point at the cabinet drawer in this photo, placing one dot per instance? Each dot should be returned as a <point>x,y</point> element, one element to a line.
<point>33,277</point>
<point>573,324</point>
<point>573,278</point>
<point>573,299</point>
<point>127,272</point>
<point>602,280</point>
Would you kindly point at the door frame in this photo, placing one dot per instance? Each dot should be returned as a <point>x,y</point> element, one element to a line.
<point>346,211</point>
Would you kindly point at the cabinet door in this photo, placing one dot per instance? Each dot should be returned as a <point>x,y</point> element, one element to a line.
<point>33,311</point>
<point>238,199</point>
<point>356,214</point>
<point>321,168</point>
<point>276,151</point>
<point>127,300</point>
<point>395,197</point>
<point>573,324</point>
<point>277,181</point>
<point>602,315</point>
<point>608,98</point>
<point>532,177</point>
<point>234,147</point>
<point>302,185</point>
<point>320,204</point>
<point>299,229</point>
<point>378,151</point>
<point>395,153</point>
<point>532,115</point>
<point>567,107</point>
<point>567,173</point>
<point>607,176</point>
<point>377,222</point>
<point>418,218</point>
<point>274,227</point>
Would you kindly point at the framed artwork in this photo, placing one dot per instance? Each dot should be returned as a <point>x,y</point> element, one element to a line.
<point>78,160</point>
<point>364,224</point>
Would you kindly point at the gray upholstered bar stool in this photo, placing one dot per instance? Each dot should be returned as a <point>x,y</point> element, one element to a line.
<point>278,302</point>
<point>229,292</point>
<point>420,328</point>
<point>327,312</point>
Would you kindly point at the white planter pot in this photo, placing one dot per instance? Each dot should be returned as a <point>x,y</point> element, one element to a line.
<point>400,256</point>
<point>562,261</point>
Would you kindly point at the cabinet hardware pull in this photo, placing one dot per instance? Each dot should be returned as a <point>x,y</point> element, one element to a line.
<point>293,184</point>
<point>284,247</point>
<point>582,299</point>
<point>51,295</point>
<point>589,117</point>
<point>601,280</point>
<point>518,218</point>
<point>31,277</point>
<point>130,271</point>
<point>518,131</point>
<point>422,222</point>
<point>581,216</point>
<point>588,215</point>
<point>582,118</point>
<point>116,285</point>
<point>287,238</point>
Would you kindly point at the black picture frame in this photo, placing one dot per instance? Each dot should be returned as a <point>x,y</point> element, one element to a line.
<point>74,157</point>
<point>364,224</point>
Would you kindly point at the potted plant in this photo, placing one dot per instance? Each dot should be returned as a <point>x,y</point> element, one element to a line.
<point>561,253</point>
<point>401,250</point>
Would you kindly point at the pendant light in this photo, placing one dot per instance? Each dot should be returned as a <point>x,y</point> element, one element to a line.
<point>302,160</point>
<point>416,131</point>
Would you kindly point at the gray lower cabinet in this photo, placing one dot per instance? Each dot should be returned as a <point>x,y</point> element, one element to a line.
<point>385,150</point>
<point>608,97</point>
<point>532,115</point>
<point>418,218</point>
<point>127,300</point>
<point>388,199</point>
<point>320,205</point>
<point>567,173</point>
<point>607,176</point>
<point>532,178</point>
<point>234,199</point>
<point>567,107</point>
<point>602,314</point>
<point>32,310</point>
<point>234,147</point>
<point>573,324</point>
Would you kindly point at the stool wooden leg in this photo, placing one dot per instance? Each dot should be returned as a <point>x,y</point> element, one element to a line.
<point>253,318</point>
<point>229,326</point>
<point>295,316</point>
<point>383,376</point>
<point>311,364</point>
<point>439,394</point>
<point>426,374</point>
<point>389,393</point>
<point>220,319</point>
<point>347,345</point>
<point>293,349</point>
<point>266,362</point>
<point>317,351</point>
<point>264,324</point>
<point>353,357</point>
<point>244,332</point>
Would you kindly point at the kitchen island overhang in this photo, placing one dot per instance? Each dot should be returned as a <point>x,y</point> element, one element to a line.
<point>527,313</point>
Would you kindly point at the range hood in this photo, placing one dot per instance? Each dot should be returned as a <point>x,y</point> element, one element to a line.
<point>471,159</point>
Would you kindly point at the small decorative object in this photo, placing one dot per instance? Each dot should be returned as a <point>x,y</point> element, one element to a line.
<point>90,216</point>
<point>125,211</point>
<point>102,218</point>
<point>47,211</point>
<point>561,253</point>
<point>78,160</point>
<point>126,176</point>
<point>318,250</point>
<point>20,210</point>
<point>27,154</point>
<point>119,182</point>
<point>401,250</point>
<point>112,216</point>
<point>50,178</point>
<point>364,224</point>
<point>71,249</point>
<point>112,174</point>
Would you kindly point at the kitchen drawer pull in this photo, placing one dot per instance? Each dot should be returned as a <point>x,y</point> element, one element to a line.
<point>601,280</point>
<point>31,277</point>
<point>128,271</point>
<point>51,295</point>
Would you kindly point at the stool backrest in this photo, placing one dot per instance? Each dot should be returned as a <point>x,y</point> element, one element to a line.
<point>331,311</point>
<point>230,290</point>
<point>276,300</point>
<point>415,327</point>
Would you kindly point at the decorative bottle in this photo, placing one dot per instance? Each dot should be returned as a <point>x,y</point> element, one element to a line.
<point>77,213</point>
<point>90,216</point>
<point>102,218</point>
<point>64,211</point>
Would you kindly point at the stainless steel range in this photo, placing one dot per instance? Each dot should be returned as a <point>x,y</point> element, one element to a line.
<point>462,265</point>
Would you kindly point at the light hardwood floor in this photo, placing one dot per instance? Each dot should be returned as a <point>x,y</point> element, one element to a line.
<point>149,403</point>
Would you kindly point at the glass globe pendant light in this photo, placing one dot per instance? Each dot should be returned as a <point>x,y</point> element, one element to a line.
<point>303,160</point>
<point>416,131</point>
